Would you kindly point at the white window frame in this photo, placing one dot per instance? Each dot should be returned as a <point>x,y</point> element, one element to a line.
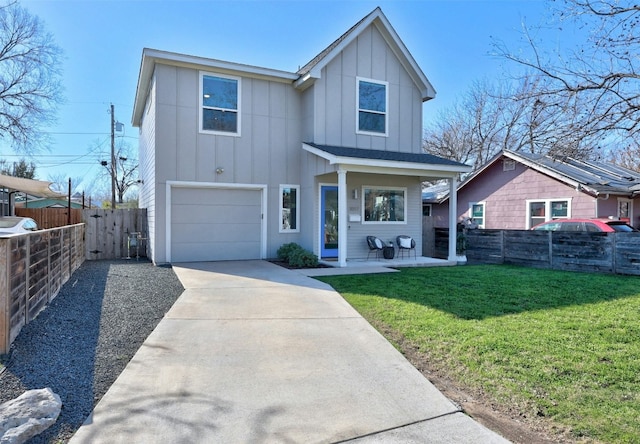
<point>281,210</point>
<point>484,213</point>
<point>628,201</point>
<point>386,107</point>
<point>547,209</point>
<point>384,222</point>
<point>238,111</point>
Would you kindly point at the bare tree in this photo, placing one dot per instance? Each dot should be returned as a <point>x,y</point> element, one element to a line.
<point>30,79</point>
<point>499,115</point>
<point>598,83</point>
<point>125,170</point>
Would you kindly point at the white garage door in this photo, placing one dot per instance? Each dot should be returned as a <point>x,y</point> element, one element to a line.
<point>212,224</point>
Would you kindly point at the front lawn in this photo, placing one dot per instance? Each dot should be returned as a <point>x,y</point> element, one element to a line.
<point>556,345</point>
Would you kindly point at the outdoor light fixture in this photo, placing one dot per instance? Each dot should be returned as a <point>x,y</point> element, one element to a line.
<point>219,170</point>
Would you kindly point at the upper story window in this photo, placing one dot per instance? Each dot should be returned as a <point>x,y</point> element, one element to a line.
<point>219,104</point>
<point>372,107</point>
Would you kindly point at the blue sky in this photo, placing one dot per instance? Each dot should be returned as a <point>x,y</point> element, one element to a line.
<point>103,41</point>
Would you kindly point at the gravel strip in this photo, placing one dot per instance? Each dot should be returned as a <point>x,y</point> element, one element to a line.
<point>83,340</point>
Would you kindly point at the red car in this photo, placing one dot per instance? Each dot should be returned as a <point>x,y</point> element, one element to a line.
<point>589,225</point>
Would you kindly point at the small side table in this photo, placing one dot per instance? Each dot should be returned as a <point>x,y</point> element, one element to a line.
<point>388,252</point>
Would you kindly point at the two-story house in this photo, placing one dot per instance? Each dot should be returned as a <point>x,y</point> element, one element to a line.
<point>237,160</point>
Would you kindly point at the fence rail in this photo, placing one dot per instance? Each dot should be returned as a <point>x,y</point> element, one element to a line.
<point>561,250</point>
<point>33,268</point>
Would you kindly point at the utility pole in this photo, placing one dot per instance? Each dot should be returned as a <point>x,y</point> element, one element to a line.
<point>113,161</point>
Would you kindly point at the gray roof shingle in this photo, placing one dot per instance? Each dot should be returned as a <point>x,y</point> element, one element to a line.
<point>360,153</point>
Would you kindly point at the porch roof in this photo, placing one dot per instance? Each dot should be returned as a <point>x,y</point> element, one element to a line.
<point>394,162</point>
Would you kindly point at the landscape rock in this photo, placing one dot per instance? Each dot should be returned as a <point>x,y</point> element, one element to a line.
<point>28,415</point>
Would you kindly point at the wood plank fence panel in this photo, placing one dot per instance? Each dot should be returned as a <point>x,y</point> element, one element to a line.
<point>487,246</point>
<point>530,248</point>
<point>582,251</point>
<point>627,253</point>
<point>576,251</point>
<point>34,266</point>
<point>51,217</point>
<point>108,233</point>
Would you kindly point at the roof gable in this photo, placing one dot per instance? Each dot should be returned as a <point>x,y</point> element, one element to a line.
<point>592,177</point>
<point>312,70</point>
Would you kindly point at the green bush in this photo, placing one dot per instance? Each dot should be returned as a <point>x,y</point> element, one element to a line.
<point>287,250</point>
<point>303,259</point>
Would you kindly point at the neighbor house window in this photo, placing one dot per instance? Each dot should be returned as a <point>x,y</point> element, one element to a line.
<point>289,208</point>
<point>624,208</point>
<point>539,211</point>
<point>219,104</point>
<point>372,107</point>
<point>384,205</point>
<point>476,211</point>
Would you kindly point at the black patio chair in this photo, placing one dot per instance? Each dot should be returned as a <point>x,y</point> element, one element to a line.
<point>406,243</point>
<point>376,245</point>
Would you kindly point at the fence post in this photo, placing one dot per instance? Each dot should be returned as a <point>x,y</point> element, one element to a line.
<point>550,239</point>
<point>5,315</point>
<point>614,244</point>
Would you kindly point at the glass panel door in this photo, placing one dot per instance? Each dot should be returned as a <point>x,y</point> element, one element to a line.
<point>329,221</point>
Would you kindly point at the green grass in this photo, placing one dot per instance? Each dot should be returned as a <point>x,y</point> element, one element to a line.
<point>559,345</point>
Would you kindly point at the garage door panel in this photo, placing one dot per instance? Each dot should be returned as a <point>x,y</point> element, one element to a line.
<point>208,233</point>
<point>228,251</point>
<point>206,196</point>
<point>209,224</point>
<point>218,213</point>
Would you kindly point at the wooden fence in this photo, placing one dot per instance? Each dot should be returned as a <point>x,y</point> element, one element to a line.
<point>51,217</point>
<point>33,268</point>
<point>115,234</point>
<point>561,250</point>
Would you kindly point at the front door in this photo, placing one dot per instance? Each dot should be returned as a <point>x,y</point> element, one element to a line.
<point>329,221</point>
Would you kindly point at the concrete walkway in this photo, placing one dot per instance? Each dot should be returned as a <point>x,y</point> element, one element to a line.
<point>255,353</point>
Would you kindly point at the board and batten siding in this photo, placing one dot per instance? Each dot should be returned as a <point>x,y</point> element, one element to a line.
<point>267,151</point>
<point>335,99</point>
<point>146,162</point>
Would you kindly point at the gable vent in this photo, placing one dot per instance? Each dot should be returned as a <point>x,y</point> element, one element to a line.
<point>508,165</point>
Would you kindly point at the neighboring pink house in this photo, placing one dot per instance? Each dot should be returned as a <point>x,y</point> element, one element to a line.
<point>517,190</point>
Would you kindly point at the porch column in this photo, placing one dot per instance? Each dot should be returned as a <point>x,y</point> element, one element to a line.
<point>342,218</point>
<point>453,217</point>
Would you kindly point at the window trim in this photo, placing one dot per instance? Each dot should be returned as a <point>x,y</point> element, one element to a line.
<point>281,209</point>
<point>547,209</point>
<point>484,212</point>
<point>630,208</point>
<point>201,106</point>
<point>384,222</point>
<point>386,107</point>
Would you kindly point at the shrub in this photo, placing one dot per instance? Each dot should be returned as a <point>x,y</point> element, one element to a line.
<point>303,259</point>
<point>287,250</point>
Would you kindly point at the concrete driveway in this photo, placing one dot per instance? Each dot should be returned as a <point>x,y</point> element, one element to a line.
<point>255,353</point>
